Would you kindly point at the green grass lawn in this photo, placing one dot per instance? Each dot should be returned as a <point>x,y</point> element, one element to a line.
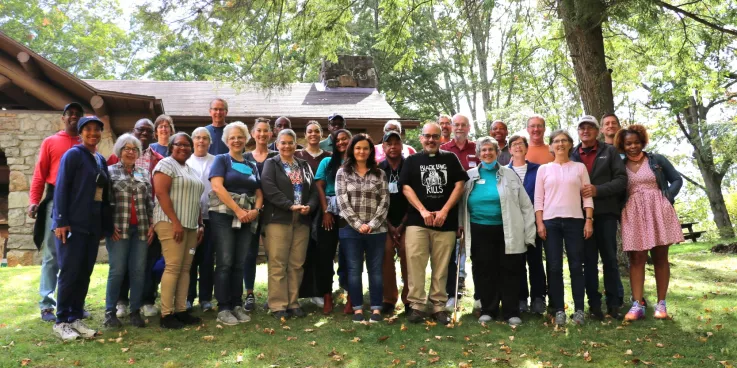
<point>703,332</point>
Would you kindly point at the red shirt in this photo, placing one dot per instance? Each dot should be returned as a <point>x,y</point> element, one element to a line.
<point>49,157</point>
<point>467,155</point>
<point>588,158</point>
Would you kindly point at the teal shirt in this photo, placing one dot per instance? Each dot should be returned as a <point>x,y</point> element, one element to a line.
<point>322,174</point>
<point>484,204</point>
<point>326,144</point>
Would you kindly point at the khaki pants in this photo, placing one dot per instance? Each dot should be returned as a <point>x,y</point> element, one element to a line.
<point>422,244</point>
<point>286,248</point>
<point>178,258</point>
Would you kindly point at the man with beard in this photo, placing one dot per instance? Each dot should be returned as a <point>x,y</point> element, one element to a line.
<point>47,167</point>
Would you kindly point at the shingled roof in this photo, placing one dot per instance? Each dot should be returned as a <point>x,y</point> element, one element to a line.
<point>300,100</point>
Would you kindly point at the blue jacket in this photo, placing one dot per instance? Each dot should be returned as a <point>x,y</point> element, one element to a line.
<point>74,194</point>
<point>530,177</point>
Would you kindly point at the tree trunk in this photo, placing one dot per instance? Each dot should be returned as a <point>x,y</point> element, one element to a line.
<point>713,185</point>
<point>582,25</point>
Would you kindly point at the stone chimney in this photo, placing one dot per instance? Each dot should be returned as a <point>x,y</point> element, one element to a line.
<point>349,72</point>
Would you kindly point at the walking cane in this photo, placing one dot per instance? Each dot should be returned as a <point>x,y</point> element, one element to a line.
<point>461,248</point>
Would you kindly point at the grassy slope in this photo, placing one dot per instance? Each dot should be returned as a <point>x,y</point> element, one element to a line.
<point>702,332</point>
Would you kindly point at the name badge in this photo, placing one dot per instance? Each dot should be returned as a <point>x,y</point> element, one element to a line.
<point>471,163</point>
<point>98,194</point>
<point>481,181</point>
<point>393,188</point>
<point>192,251</point>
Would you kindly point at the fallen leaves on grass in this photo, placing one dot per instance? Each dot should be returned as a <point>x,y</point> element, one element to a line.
<point>25,362</point>
<point>261,356</point>
<point>356,339</point>
<point>208,338</point>
<point>309,330</point>
<point>286,328</point>
<point>403,328</point>
<point>167,349</point>
<point>432,352</point>
<point>628,352</point>
<point>396,361</point>
<point>433,360</point>
<point>587,356</point>
<point>291,338</point>
<point>239,358</point>
<point>678,356</point>
<point>660,345</point>
<point>637,361</point>
<point>269,331</point>
<point>347,330</point>
<point>124,350</point>
<point>383,338</point>
<point>219,326</point>
<point>410,363</point>
<point>724,364</point>
<point>224,353</point>
<point>313,343</point>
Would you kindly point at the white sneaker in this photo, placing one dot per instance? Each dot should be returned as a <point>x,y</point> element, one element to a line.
<point>150,310</point>
<point>449,304</point>
<point>515,321</point>
<point>227,318</point>
<point>485,318</point>
<point>82,329</point>
<point>477,304</point>
<point>318,301</point>
<point>241,315</point>
<point>121,310</point>
<point>65,332</point>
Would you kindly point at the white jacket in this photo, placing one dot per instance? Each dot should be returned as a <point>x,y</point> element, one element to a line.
<point>518,214</point>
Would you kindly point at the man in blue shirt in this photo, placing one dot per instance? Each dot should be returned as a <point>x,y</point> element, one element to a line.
<point>218,112</point>
<point>335,122</point>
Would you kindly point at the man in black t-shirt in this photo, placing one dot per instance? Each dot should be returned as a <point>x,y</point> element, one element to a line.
<point>432,181</point>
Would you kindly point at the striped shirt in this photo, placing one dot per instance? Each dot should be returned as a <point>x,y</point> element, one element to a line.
<point>185,193</point>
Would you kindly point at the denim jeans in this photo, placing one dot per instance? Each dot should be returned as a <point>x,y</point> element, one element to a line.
<point>604,242</point>
<point>249,270</point>
<point>231,246</point>
<point>49,266</point>
<point>203,268</point>
<point>355,246</point>
<point>538,282</point>
<point>126,255</point>
<point>570,232</point>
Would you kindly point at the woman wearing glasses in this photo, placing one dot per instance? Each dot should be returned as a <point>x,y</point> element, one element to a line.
<point>560,220</point>
<point>163,129</point>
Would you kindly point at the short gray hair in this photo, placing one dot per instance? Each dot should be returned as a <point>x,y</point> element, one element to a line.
<point>202,130</point>
<point>395,123</point>
<point>126,139</point>
<point>147,122</point>
<point>483,141</point>
<point>288,132</point>
<point>534,116</point>
<point>236,124</point>
<point>461,115</point>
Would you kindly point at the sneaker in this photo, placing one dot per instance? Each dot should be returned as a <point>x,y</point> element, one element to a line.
<point>189,305</point>
<point>596,313</point>
<point>48,315</point>
<point>205,306</point>
<point>450,303</point>
<point>415,316</point>
<point>614,313</point>
<point>187,319</point>
<point>477,304</point>
<point>150,310</point>
<point>82,329</point>
<point>227,318</point>
<point>523,306</point>
<point>661,312</point>
<point>376,318</point>
<point>485,318</point>
<point>250,304</point>
<point>560,318</point>
<point>136,319</point>
<point>514,321</point>
<point>296,312</point>
<point>441,317</point>
<point>281,314</point>
<point>111,320</point>
<point>538,306</point>
<point>318,301</point>
<point>171,322</point>
<point>86,314</point>
<point>241,315</point>
<point>636,312</point>
<point>65,331</point>
<point>358,318</point>
<point>578,317</point>
<point>387,308</point>
<point>121,310</point>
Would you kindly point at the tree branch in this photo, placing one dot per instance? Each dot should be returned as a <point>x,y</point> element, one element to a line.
<point>696,18</point>
<point>694,182</point>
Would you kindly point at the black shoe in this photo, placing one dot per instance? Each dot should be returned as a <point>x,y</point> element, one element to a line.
<point>136,320</point>
<point>387,308</point>
<point>461,283</point>
<point>596,313</point>
<point>441,317</point>
<point>170,321</point>
<point>250,303</point>
<point>296,312</point>
<point>187,318</point>
<point>614,313</point>
<point>415,316</point>
<point>407,309</point>
<point>111,320</point>
<point>358,318</point>
<point>281,314</point>
<point>376,318</point>
<point>48,315</point>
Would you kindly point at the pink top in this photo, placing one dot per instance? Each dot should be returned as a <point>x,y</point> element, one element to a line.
<point>558,190</point>
<point>49,157</point>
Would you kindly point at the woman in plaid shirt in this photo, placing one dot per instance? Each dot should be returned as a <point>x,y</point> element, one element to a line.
<point>363,198</point>
<point>132,204</point>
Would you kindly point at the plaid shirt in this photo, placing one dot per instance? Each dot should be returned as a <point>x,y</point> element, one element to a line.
<point>125,188</point>
<point>242,200</point>
<point>363,200</point>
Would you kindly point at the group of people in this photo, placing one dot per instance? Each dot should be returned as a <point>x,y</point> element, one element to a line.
<point>189,213</point>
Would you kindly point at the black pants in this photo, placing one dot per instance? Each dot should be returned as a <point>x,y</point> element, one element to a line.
<point>151,282</point>
<point>203,264</point>
<point>308,287</point>
<point>324,258</point>
<point>496,274</point>
<point>538,282</point>
<point>604,243</point>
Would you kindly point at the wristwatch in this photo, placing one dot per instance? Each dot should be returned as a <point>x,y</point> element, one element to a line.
<point>590,218</point>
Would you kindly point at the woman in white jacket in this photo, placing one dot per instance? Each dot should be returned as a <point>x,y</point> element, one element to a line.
<point>499,222</point>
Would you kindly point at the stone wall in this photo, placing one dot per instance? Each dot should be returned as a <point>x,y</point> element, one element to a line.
<point>21,134</point>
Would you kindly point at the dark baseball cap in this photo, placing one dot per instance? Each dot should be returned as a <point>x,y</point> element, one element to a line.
<point>335,115</point>
<point>89,119</point>
<point>390,134</point>
<point>73,104</point>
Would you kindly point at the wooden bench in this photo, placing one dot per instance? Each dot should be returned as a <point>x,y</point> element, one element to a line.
<point>690,234</point>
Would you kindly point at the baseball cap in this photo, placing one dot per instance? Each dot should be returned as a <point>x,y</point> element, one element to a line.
<point>335,115</point>
<point>588,119</point>
<point>390,134</point>
<point>89,119</point>
<point>73,104</point>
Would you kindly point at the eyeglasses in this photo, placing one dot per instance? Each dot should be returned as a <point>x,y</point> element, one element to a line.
<point>560,141</point>
<point>182,145</point>
<point>130,149</point>
<point>517,144</point>
<point>218,109</point>
<point>431,136</point>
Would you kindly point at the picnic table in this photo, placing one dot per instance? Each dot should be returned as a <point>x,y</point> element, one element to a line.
<point>690,234</point>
